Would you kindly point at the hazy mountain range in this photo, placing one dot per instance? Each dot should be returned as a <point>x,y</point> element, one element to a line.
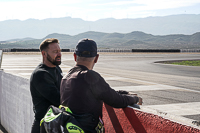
<point>132,40</point>
<point>176,24</point>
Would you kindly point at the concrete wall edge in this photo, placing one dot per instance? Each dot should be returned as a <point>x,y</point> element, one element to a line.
<point>15,75</point>
<point>17,113</point>
<point>174,118</point>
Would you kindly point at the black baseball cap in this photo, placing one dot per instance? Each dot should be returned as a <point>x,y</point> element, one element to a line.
<point>86,48</point>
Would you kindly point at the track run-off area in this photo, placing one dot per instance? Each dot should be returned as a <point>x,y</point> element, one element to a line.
<point>170,89</point>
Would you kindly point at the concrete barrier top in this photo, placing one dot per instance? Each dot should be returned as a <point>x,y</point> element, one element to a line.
<point>130,120</point>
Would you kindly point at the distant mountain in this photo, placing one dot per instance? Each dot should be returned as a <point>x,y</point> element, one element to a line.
<point>23,39</point>
<point>16,40</point>
<point>132,40</point>
<point>175,24</point>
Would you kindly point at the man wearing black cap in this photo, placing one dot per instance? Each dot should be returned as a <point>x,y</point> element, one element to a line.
<point>84,90</point>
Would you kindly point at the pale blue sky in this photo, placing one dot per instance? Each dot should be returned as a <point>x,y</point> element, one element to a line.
<point>92,10</point>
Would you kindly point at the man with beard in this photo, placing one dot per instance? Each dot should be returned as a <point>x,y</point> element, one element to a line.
<point>45,81</point>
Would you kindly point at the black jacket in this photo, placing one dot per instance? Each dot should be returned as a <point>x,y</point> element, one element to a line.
<point>84,91</point>
<point>45,88</point>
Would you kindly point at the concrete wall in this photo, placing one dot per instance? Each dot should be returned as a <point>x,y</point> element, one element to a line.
<point>16,113</point>
<point>129,120</point>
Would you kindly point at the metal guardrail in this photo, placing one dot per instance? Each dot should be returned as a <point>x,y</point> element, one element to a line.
<point>190,50</point>
<point>114,50</point>
<point>156,50</point>
<point>1,56</point>
<point>28,50</point>
<point>6,50</point>
<point>109,50</point>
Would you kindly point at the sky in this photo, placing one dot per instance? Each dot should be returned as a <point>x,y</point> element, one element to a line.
<point>92,10</point>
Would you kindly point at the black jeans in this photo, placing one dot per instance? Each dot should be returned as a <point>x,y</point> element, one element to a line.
<point>35,127</point>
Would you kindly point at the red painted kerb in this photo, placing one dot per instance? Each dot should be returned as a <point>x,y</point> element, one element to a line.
<point>128,120</point>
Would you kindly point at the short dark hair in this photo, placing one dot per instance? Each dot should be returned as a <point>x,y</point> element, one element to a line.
<point>44,44</point>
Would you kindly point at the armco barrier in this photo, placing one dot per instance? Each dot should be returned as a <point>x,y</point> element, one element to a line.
<point>32,50</point>
<point>157,50</point>
<point>1,56</point>
<point>129,120</point>
<point>190,50</point>
<point>16,113</point>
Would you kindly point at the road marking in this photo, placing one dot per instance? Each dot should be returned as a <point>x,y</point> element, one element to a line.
<point>146,85</point>
<point>144,88</point>
<point>25,74</point>
<point>152,87</point>
<point>17,69</point>
<point>14,66</point>
<point>180,109</point>
<point>29,74</point>
<point>17,66</point>
<point>112,77</point>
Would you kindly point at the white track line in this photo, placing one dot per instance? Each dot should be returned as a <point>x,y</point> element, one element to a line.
<point>180,109</point>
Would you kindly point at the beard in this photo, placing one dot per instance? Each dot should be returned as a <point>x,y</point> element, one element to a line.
<point>53,61</point>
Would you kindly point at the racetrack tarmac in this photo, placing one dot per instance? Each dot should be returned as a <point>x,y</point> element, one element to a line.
<point>172,89</point>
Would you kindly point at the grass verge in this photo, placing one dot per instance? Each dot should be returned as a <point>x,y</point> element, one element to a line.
<point>187,63</point>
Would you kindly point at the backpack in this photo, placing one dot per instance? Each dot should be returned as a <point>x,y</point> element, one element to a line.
<point>60,120</point>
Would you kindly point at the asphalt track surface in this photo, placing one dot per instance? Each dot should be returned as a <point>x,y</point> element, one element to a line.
<point>172,89</point>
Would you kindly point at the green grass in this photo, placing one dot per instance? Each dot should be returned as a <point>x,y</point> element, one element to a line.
<point>188,63</point>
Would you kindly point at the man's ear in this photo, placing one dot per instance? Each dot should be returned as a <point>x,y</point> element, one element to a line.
<point>75,56</point>
<point>96,58</point>
<point>43,53</point>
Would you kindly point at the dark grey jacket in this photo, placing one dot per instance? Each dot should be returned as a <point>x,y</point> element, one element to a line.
<point>84,91</point>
